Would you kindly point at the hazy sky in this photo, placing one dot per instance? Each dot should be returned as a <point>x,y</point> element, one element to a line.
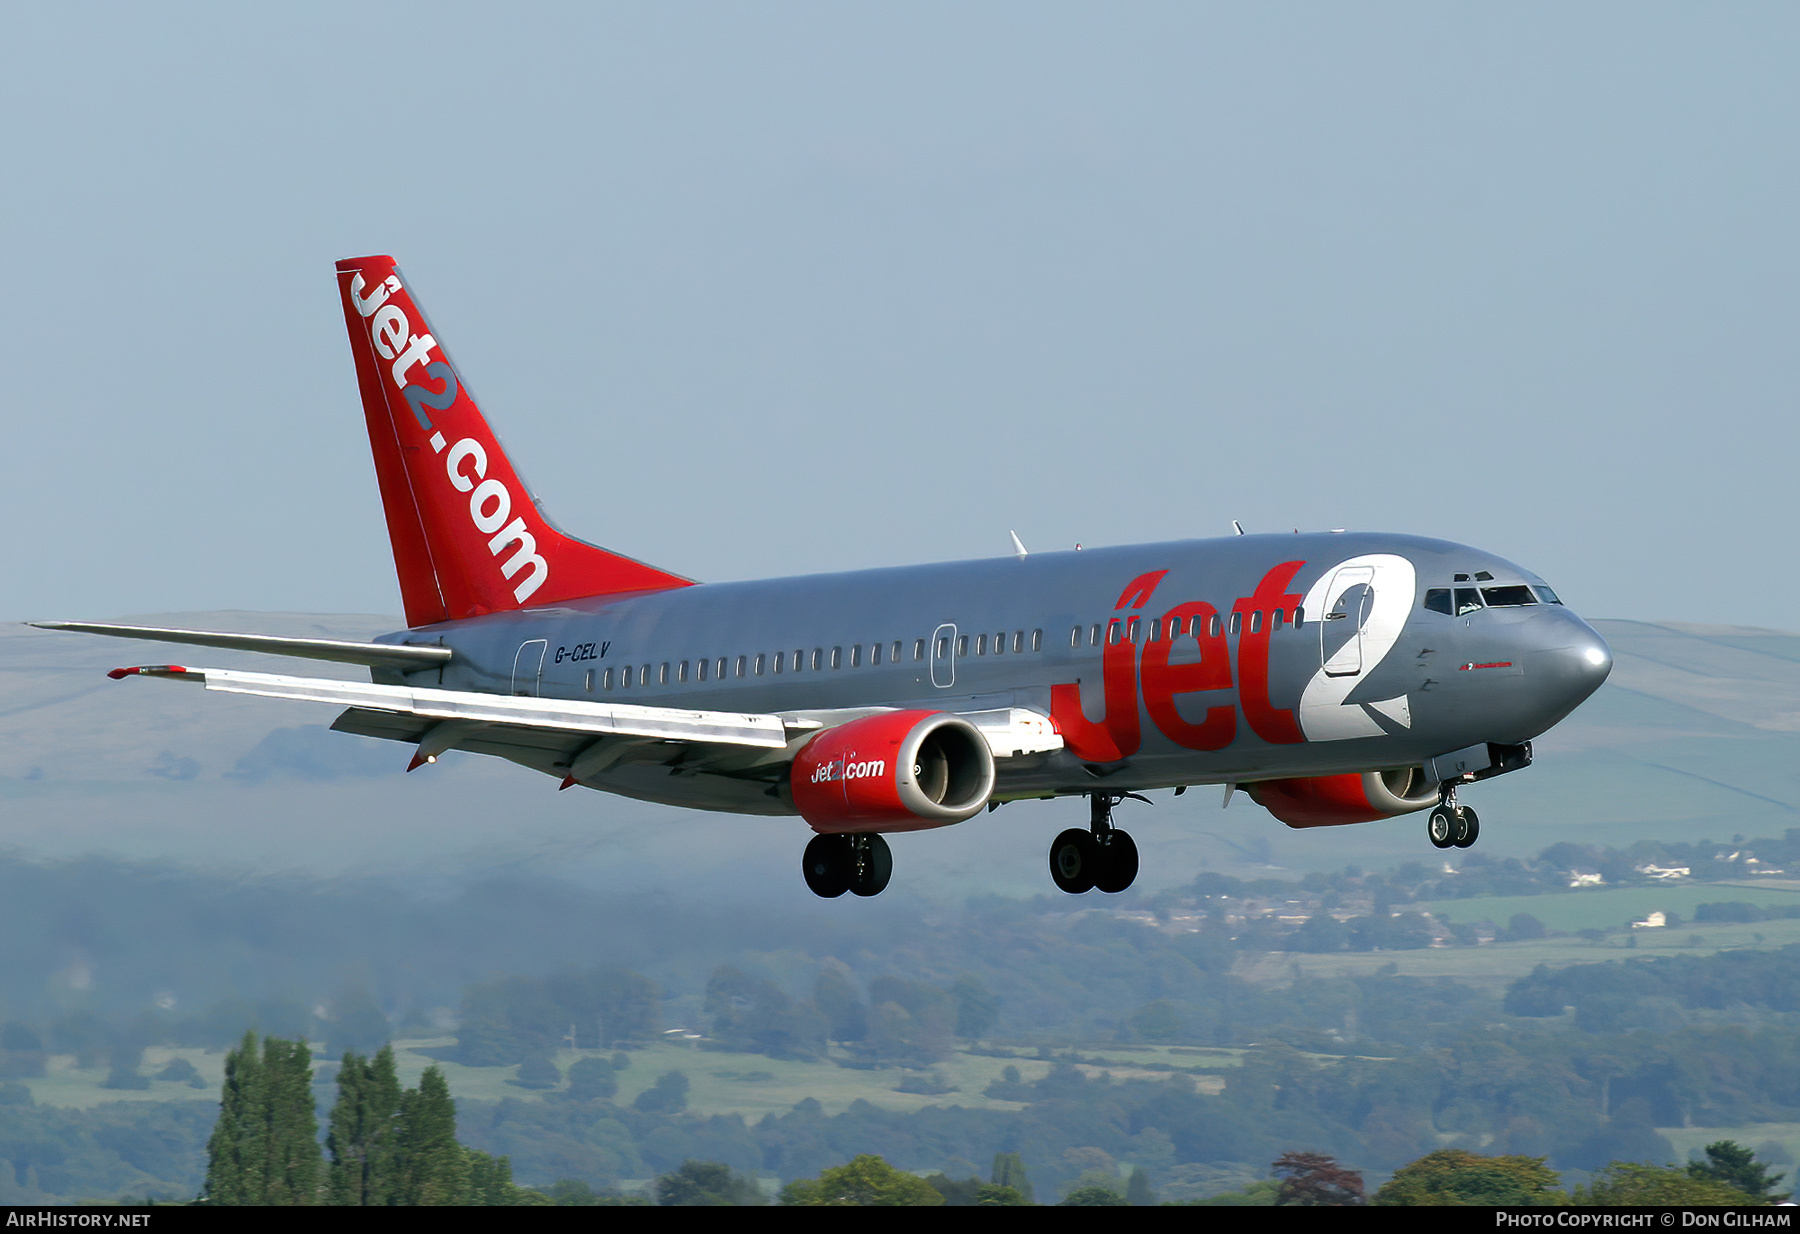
<point>781,288</point>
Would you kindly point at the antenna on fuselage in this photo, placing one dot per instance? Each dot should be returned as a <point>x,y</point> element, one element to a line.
<point>1018,545</point>
<point>1237,528</point>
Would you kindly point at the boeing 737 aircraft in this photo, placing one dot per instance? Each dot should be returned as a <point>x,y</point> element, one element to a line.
<point>1335,678</point>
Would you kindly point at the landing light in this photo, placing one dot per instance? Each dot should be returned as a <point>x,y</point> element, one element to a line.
<point>1594,656</point>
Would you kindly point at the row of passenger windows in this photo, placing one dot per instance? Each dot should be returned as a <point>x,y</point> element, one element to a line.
<point>1155,629</point>
<point>724,667</point>
<point>1455,601</point>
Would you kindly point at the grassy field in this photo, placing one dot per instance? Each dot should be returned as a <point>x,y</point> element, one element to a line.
<point>1607,908</point>
<point>720,1083</point>
<point>1497,965</point>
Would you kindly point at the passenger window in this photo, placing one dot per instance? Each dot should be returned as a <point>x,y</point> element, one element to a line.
<point>837,657</point>
<point>1508,597</point>
<point>662,674</point>
<point>1467,601</point>
<point>918,649</point>
<point>606,680</point>
<point>740,666</point>
<point>1299,616</point>
<point>1215,626</point>
<point>722,666</point>
<point>1275,621</point>
<point>1000,643</point>
<point>1437,600</point>
<point>1236,621</point>
<point>780,656</point>
<point>1155,631</point>
<point>700,670</point>
<point>1113,631</point>
<point>962,646</point>
<point>759,665</point>
<point>819,659</point>
<point>943,648</point>
<point>800,660</point>
<point>1131,626</point>
<point>981,644</point>
<point>626,676</point>
<point>1037,640</point>
<point>1256,622</point>
<point>588,684</point>
<point>896,655</point>
<point>1094,635</point>
<point>644,675</point>
<point>874,653</point>
<point>1074,636</point>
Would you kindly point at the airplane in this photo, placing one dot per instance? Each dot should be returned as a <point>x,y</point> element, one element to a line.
<point>1336,678</point>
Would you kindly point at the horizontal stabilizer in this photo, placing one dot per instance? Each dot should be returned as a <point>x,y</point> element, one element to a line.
<point>558,715</point>
<point>374,655</point>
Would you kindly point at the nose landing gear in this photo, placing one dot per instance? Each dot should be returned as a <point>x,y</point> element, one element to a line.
<point>834,864</point>
<point>1102,856</point>
<point>1451,825</point>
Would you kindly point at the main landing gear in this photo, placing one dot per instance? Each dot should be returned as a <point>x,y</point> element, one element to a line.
<point>834,864</point>
<point>1451,825</point>
<point>1102,856</point>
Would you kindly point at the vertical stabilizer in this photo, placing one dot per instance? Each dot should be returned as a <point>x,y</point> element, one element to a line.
<point>468,538</point>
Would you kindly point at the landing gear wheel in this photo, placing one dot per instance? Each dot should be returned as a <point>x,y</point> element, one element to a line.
<point>1118,862</point>
<point>1441,827</point>
<point>1074,861</point>
<point>874,865</point>
<point>1470,829</point>
<point>829,864</point>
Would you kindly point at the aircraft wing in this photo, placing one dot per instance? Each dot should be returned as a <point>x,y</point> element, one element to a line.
<point>374,655</point>
<point>471,711</point>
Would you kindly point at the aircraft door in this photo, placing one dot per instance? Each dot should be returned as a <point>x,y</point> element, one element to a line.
<point>528,668</point>
<point>943,656</point>
<point>1349,597</point>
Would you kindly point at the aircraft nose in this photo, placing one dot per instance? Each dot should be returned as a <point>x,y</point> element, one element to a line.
<point>1572,660</point>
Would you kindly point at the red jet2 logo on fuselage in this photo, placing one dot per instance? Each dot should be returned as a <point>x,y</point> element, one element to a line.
<point>491,503</point>
<point>1118,735</point>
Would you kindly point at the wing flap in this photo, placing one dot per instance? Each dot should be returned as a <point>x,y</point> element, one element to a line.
<point>551,714</point>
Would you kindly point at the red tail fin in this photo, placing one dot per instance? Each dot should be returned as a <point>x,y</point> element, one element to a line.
<point>468,538</point>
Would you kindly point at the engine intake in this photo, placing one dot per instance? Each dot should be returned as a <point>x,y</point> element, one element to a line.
<point>898,771</point>
<point>1335,801</point>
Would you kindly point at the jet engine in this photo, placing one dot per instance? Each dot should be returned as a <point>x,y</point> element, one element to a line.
<point>897,771</point>
<point>1332,801</point>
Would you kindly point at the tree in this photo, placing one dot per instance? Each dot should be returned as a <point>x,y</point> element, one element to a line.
<point>707,1184</point>
<point>1314,1180</point>
<point>264,1148</point>
<point>1009,1171</point>
<point>364,1129</point>
<point>592,1079</point>
<point>865,1182</point>
<point>432,1167</point>
<point>1137,1189</point>
<point>1731,1163</point>
<point>491,1181</point>
<point>1456,1176</point>
<point>667,1096</point>
<point>1625,1184</point>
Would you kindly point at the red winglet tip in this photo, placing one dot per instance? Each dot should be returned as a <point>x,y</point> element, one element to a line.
<point>120,674</point>
<point>418,761</point>
<point>568,782</point>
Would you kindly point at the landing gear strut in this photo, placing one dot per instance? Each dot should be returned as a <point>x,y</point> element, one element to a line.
<point>1451,825</point>
<point>1102,856</point>
<point>834,864</point>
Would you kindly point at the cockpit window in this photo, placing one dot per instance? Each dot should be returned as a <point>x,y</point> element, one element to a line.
<point>1546,595</point>
<point>1467,600</point>
<point>1482,576</point>
<point>1508,597</point>
<point>1437,600</point>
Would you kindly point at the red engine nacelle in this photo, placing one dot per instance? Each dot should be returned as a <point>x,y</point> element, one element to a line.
<point>1333,801</point>
<point>898,771</point>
